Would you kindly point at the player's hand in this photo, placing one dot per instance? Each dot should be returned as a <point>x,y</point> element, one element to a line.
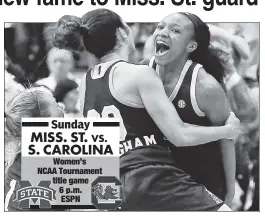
<point>233,125</point>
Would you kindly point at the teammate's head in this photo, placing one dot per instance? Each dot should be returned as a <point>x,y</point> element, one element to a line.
<point>185,35</point>
<point>100,32</point>
<point>34,102</point>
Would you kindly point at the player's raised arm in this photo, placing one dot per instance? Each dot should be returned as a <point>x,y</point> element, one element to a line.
<point>164,114</point>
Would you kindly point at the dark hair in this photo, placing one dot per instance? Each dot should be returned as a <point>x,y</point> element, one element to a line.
<point>62,88</point>
<point>205,54</point>
<point>95,32</point>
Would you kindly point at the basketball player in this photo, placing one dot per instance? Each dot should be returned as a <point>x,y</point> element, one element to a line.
<point>192,75</point>
<point>34,102</point>
<point>135,94</point>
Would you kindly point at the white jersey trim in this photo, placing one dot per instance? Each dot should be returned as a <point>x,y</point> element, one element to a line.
<point>116,95</point>
<point>194,103</point>
<point>151,62</point>
<point>104,67</point>
<point>180,80</point>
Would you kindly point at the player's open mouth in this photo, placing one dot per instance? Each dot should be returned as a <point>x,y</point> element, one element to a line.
<point>162,48</point>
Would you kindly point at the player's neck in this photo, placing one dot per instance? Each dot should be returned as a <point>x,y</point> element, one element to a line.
<point>119,55</point>
<point>109,57</point>
<point>172,69</point>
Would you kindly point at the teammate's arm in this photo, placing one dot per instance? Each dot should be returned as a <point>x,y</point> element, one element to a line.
<point>212,101</point>
<point>164,114</point>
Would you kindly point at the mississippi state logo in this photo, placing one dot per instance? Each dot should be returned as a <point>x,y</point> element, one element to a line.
<point>181,104</point>
<point>41,195</point>
<point>106,193</point>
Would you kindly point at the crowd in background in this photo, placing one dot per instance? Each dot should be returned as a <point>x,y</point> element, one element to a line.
<point>31,60</point>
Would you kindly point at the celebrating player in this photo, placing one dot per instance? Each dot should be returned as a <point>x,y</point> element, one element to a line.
<point>135,94</point>
<point>192,74</point>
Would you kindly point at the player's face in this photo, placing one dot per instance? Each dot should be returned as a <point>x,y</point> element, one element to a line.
<point>172,38</point>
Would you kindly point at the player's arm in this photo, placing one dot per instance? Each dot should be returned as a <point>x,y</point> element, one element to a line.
<point>212,101</point>
<point>164,114</point>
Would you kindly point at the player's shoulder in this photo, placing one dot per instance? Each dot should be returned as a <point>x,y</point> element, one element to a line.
<point>138,75</point>
<point>134,69</point>
<point>144,71</point>
<point>206,83</point>
<point>208,89</point>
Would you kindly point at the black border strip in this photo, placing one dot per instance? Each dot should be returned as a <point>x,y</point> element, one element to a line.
<point>35,124</point>
<point>106,124</point>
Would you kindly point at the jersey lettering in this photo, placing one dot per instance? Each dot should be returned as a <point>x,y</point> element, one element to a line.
<point>110,112</point>
<point>137,142</point>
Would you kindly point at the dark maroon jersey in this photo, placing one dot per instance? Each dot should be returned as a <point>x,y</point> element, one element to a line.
<point>141,140</point>
<point>203,162</point>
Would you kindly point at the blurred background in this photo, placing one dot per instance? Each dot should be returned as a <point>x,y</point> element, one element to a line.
<point>31,60</point>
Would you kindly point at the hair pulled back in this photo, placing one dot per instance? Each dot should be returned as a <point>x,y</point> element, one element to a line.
<point>94,32</point>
